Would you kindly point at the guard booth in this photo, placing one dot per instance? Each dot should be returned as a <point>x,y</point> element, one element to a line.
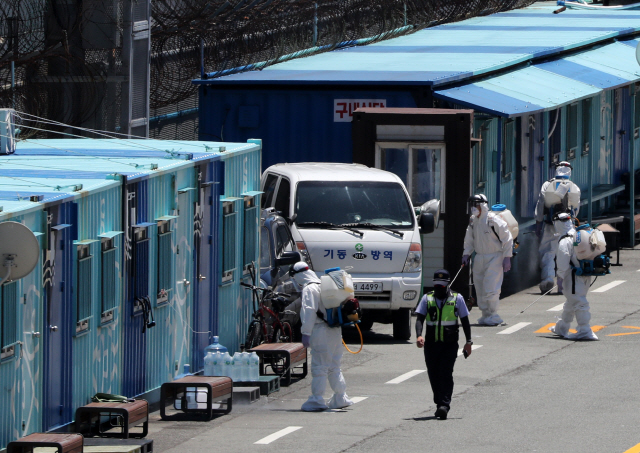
<point>430,150</point>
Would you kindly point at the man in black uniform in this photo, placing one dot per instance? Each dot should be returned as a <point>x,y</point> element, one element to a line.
<point>441,308</point>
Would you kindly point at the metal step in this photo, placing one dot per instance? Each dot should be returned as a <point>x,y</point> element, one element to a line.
<point>245,395</point>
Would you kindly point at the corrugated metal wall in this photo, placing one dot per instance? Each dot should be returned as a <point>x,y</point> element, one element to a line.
<point>228,114</point>
<point>99,348</point>
<point>46,383</point>
<point>242,174</point>
<point>21,405</point>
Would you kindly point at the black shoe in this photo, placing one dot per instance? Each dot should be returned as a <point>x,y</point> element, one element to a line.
<point>442,412</point>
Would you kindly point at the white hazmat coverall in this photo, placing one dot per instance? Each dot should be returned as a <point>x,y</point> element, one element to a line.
<point>576,303</point>
<point>325,345</point>
<point>548,239</point>
<point>491,239</point>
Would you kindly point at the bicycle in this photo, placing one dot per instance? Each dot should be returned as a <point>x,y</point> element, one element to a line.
<point>266,326</point>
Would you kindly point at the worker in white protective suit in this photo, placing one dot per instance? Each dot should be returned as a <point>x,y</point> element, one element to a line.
<point>489,237</point>
<point>575,286</point>
<point>546,231</point>
<point>325,343</point>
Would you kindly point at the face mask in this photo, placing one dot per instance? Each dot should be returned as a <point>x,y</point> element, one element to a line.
<point>440,292</point>
<point>475,211</point>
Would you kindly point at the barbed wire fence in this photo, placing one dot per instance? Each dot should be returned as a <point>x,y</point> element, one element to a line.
<point>62,60</point>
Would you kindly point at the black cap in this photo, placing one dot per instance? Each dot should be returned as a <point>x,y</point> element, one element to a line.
<point>441,277</point>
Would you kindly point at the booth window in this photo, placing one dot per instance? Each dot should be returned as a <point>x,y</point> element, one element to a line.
<point>83,293</point>
<point>109,275</point>
<point>283,197</point>
<point>572,131</point>
<point>164,263</point>
<point>508,150</point>
<point>250,231</point>
<point>586,126</point>
<point>9,319</point>
<point>229,219</point>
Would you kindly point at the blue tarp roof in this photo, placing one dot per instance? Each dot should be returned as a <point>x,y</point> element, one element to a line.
<point>452,52</point>
<point>547,86</point>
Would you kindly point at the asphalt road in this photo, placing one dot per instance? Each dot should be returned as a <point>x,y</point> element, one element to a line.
<point>523,391</point>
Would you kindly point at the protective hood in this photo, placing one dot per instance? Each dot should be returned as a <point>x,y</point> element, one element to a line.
<point>563,224</point>
<point>484,210</point>
<point>305,277</point>
<point>563,171</point>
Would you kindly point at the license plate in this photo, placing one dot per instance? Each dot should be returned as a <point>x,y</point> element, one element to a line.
<point>368,287</point>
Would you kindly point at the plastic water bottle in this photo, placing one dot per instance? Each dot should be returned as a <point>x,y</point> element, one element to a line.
<point>215,347</point>
<point>216,364</point>
<point>255,367</point>
<point>208,364</point>
<point>239,367</point>
<point>246,359</point>
<point>185,372</point>
<point>227,365</point>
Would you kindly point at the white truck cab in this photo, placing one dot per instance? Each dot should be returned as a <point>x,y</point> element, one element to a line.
<point>360,219</point>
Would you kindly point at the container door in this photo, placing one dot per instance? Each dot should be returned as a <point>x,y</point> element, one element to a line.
<point>58,329</point>
<point>184,277</point>
<point>137,275</point>
<point>204,296</point>
<point>422,169</point>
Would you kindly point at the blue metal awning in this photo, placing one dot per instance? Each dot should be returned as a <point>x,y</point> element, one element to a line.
<point>549,85</point>
<point>527,90</point>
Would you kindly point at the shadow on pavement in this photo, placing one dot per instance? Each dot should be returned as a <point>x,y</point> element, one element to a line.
<point>352,337</point>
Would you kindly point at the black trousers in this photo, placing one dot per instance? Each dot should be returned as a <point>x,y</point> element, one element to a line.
<point>440,358</point>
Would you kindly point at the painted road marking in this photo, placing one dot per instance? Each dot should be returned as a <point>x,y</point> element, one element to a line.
<point>473,348</point>
<point>557,307</point>
<point>278,435</point>
<point>594,328</point>
<point>357,399</point>
<point>545,329</point>
<point>635,449</point>
<point>514,328</point>
<point>626,333</point>
<point>608,286</point>
<point>405,376</point>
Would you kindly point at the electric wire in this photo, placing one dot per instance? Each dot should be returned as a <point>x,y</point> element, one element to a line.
<point>71,65</point>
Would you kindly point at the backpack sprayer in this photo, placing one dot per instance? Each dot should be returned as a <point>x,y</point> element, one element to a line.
<point>343,309</point>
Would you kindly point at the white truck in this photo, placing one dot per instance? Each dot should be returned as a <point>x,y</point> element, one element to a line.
<point>360,219</point>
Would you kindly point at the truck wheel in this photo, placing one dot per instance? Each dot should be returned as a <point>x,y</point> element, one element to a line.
<point>366,324</point>
<point>402,324</point>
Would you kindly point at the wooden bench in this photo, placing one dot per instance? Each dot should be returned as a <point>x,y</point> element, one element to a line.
<point>218,389</point>
<point>94,418</point>
<point>63,442</point>
<point>283,359</point>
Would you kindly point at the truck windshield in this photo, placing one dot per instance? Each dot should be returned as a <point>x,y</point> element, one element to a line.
<point>347,202</point>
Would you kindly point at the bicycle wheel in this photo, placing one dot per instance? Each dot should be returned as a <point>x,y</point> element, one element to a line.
<point>254,336</point>
<point>281,334</point>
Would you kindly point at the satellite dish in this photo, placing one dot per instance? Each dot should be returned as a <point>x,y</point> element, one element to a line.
<point>19,251</point>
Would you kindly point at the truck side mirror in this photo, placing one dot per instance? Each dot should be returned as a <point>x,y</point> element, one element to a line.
<point>288,258</point>
<point>427,223</point>
<point>429,217</point>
